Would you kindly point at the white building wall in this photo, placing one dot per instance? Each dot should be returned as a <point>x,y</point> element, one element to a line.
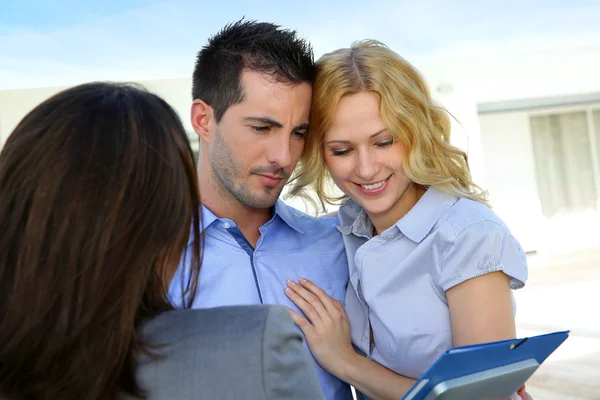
<point>499,145</point>
<point>15,104</point>
<point>510,174</point>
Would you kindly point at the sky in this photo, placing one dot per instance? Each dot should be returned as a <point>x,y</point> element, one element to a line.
<point>60,42</point>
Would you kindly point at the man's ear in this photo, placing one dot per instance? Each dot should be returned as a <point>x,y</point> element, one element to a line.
<point>203,120</point>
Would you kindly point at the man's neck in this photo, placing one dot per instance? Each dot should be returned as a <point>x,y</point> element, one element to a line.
<point>224,205</point>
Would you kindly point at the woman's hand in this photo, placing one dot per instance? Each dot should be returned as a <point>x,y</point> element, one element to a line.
<point>523,394</point>
<point>327,333</point>
<point>325,327</point>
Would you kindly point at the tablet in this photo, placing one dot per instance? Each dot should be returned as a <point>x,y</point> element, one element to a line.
<point>488,371</point>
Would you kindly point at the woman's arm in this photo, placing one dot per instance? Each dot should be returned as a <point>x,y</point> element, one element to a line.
<point>481,310</point>
<point>327,333</point>
<point>476,273</point>
<point>481,306</point>
<point>375,380</point>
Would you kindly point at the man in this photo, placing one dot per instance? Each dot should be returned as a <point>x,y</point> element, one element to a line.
<point>252,87</point>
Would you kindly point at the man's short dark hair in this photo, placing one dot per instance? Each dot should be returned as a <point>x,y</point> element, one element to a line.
<point>258,46</point>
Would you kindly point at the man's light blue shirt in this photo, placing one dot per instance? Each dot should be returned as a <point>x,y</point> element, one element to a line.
<point>292,245</point>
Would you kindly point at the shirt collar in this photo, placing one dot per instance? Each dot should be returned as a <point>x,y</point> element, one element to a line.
<point>207,219</point>
<point>419,221</point>
<point>415,225</point>
<point>354,220</point>
<point>289,215</point>
<point>285,212</point>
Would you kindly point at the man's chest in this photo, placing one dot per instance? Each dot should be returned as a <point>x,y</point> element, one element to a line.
<point>235,274</point>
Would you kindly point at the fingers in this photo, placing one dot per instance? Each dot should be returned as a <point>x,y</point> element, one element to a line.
<point>340,308</point>
<point>526,396</point>
<point>331,305</point>
<point>314,302</point>
<point>306,301</point>
<point>317,291</point>
<point>523,393</point>
<point>301,322</point>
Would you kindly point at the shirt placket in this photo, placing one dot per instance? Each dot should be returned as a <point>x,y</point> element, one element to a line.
<point>360,255</point>
<point>235,232</point>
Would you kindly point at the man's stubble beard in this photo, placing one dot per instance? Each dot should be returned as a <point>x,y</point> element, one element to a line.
<point>226,169</point>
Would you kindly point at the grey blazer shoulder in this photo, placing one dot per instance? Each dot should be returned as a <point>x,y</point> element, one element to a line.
<point>242,352</point>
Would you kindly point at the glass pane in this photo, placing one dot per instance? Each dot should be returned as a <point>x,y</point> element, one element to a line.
<point>563,163</point>
<point>550,176</point>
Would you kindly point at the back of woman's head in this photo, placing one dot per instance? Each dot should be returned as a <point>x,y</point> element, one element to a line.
<point>98,192</point>
<point>407,110</point>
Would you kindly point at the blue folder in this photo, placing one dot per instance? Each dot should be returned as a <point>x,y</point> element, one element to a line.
<point>475,360</point>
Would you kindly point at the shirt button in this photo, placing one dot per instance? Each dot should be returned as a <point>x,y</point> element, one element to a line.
<point>226,225</point>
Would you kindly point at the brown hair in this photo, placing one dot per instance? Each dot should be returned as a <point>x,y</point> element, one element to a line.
<point>98,197</point>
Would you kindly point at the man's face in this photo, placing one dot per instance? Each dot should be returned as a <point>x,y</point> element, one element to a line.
<point>258,142</point>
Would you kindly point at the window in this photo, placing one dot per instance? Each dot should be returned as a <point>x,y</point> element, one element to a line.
<point>566,148</point>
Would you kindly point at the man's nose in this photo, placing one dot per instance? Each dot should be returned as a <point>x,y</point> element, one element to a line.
<point>279,151</point>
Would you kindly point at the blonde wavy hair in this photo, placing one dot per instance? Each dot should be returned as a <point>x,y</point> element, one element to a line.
<point>407,111</point>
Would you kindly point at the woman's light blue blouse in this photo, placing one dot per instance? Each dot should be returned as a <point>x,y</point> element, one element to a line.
<point>398,279</point>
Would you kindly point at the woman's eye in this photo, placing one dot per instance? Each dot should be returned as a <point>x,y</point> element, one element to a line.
<point>386,143</point>
<point>341,152</point>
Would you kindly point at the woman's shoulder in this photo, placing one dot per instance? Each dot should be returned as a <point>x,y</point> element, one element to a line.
<point>467,214</point>
<point>205,330</point>
<point>224,352</point>
<point>475,241</point>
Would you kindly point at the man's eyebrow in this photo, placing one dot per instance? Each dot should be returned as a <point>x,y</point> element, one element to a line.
<point>276,124</point>
<point>264,120</point>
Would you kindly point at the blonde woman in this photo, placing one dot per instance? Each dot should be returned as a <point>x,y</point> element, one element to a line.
<point>431,266</point>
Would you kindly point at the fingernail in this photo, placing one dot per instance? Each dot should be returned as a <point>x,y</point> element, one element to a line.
<point>302,280</point>
<point>291,282</point>
<point>288,290</point>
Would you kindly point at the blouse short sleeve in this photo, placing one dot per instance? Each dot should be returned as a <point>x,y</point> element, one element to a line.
<point>481,248</point>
